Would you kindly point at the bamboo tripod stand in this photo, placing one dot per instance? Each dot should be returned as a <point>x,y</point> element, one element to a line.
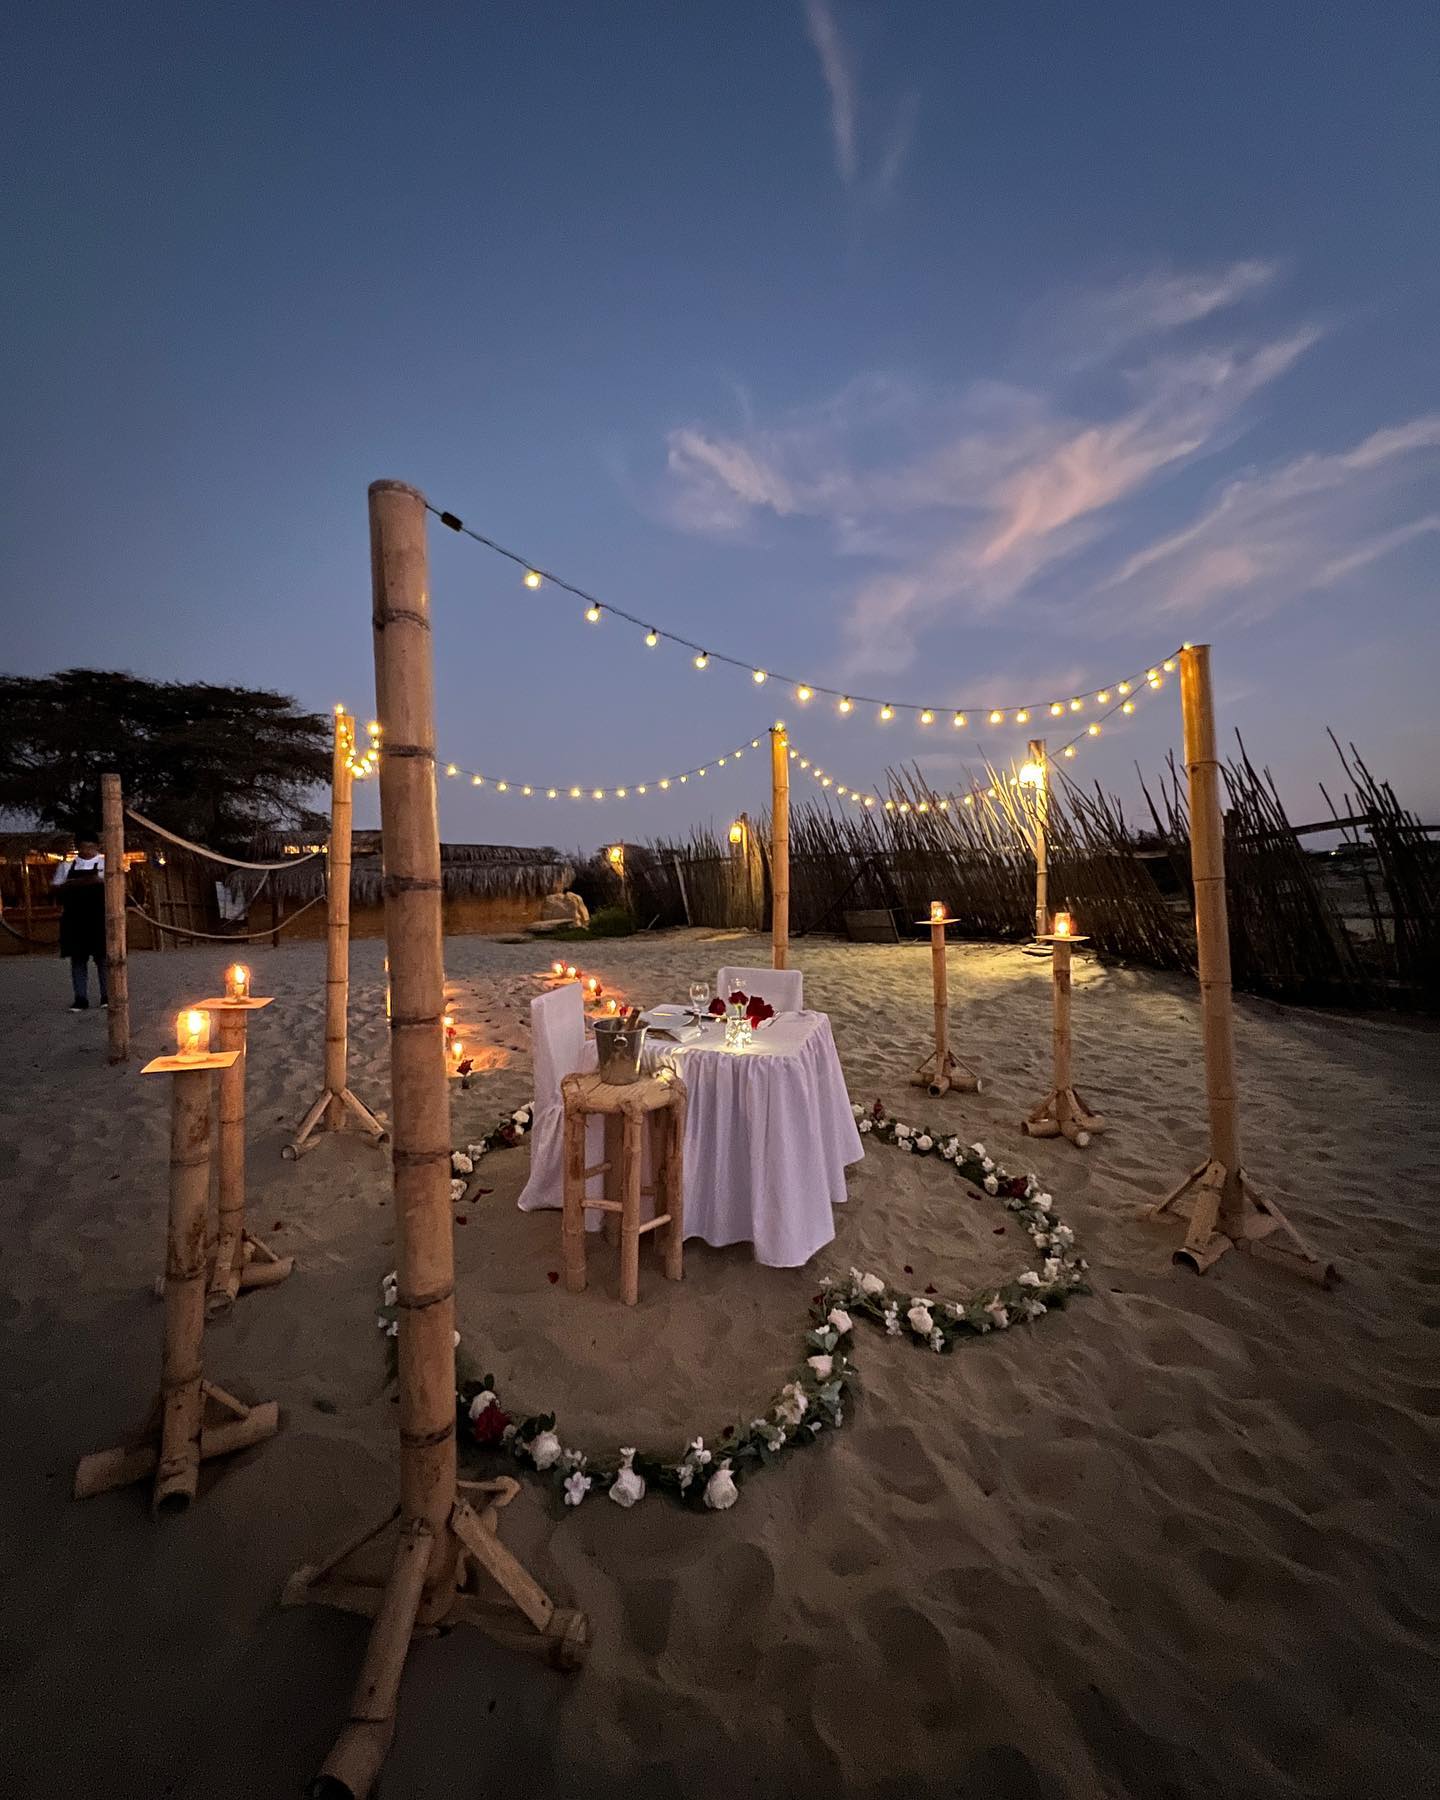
<point>1226,1213</point>
<point>1062,1113</point>
<point>336,1102</point>
<point>240,1261</point>
<point>192,1419</point>
<point>942,1069</point>
<point>437,1558</point>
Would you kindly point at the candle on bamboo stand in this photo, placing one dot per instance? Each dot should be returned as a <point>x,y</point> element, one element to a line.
<point>237,982</point>
<point>192,1032</point>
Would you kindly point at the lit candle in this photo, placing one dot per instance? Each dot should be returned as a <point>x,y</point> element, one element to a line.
<point>1062,924</point>
<point>192,1032</point>
<point>612,1006</point>
<point>557,968</point>
<point>457,1051</point>
<point>592,984</point>
<point>571,971</point>
<point>237,982</point>
<point>449,1022</point>
<point>937,910</point>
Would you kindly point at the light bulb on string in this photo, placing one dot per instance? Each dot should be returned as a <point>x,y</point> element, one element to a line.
<point>997,718</point>
<point>804,693</point>
<point>592,613</point>
<point>758,677</point>
<point>1128,707</point>
<point>887,712</point>
<point>847,705</point>
<point>959,721</point>
<point>1122,687</point>
<point>1022,717</point>
<point>927,717</point>
<point>1056,708</point>
<point>652,638</point>
<point>702,659</point>
<point>532,578</point>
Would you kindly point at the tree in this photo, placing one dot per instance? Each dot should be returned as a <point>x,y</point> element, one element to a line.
<point>216,764</point>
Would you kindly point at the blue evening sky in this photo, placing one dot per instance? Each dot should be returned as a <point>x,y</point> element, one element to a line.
<point>951,353</point>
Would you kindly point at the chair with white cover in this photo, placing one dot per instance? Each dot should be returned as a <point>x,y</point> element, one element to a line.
<point>559,1047</point>
<point>784,989</point>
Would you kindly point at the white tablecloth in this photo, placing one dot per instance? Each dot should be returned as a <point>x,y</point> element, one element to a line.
<point>768,1136</point>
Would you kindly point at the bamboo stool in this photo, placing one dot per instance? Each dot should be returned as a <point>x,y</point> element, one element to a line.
<point>625,1110</point>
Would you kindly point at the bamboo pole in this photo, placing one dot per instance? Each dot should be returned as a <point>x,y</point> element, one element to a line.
<point>941,995</point>
<point>337,921</point>
<point>405,701</point>
<point>239,1260</point>
<point>1212,930</point>
<point>1063,952</point>
<point>117,975</point>
<point>182,1401</point>
<point>779,846</point>
<point>1036,751</point>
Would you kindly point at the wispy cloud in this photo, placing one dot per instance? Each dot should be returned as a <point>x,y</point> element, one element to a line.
<point>964,500</point>
<point>840,70</point>
<point>1305,525</point>
<point>1091,325</point>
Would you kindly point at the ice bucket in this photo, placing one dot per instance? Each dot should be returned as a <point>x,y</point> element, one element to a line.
<point>620,1050</point>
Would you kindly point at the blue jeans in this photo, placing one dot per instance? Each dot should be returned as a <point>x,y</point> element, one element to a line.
<point>80,978</point>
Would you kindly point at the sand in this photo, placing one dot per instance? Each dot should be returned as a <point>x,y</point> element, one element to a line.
<point>1177,1540</point>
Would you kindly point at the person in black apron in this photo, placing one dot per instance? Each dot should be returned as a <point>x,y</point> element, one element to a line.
<point>80,889</point>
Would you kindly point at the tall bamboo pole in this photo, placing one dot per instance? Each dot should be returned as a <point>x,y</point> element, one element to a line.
<point>117,975</point>
<point>1036,752</point>
<point>779,846</point>
<point>1062,952</point>
<point>405,706</point>
<point>337,921</point>
<point>1212,929</point>
<point>941,991</point>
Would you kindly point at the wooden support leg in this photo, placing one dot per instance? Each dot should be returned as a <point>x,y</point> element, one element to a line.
<point>1263,1229</point>
<point>572,1228</point>
<point>630,1214</point>
<point>672,1133</point>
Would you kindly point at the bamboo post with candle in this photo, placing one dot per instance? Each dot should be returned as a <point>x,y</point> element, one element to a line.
<point>336,1101</point>
<point>239,1261</point>
<point>779,847</point>
<point>440,1542</point>
<point>1037,769</point>
<point>193,1420</point>
<point>1227,1212</point>
<point>942,1069</point>
<point>117,973</point>
<point>1062,1113</point>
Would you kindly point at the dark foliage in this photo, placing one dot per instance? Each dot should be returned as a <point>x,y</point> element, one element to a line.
<point>215,763</point>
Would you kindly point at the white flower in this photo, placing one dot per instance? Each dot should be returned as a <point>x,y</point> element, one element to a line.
<point>698,1453</point>
<point>892,1321</point>
<point>1043,1201</point>
<point>997,1311</point>
<point>871,1284</point>
<point>1051,1271</point>
<point>577,1486</point>
<point>992,1186</point>
<point>474,1152</point>
<point>924,1141</point>
<point>545,1449</point>
<point>979,1150</point>
<point>859,1111</point>
<point>903,1131</point>
<point>572,1459</point>
<point>921,1322</point>
<point>937,1340</point>
<point>720,1489</point>
<point>456,1344</point>
<point>1029,1279</point>
<point>822,1365</point>
<point>477,1406</point>
<point>391,1291</point>
<point>987,1163</point>
<point>791,1407</point>
<point>865,1125</point>
<point>627,1487</point>
<point>393,1329</point>
<point>840,1319</point>
<point>457,1189</point>
<point>461,1164</point>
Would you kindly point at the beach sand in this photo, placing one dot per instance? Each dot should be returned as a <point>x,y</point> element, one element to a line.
<point>1178,1540</point>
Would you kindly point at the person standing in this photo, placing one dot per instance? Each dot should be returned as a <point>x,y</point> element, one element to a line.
<point>80,885</point>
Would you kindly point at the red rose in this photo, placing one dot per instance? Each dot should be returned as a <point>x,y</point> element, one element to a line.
<point>758,1012</point>
<point>738,999</point>
<point>717,1008</point>
<point>488,1426</point>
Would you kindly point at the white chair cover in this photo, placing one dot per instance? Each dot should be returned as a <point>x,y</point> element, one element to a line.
<point>559,1047</point>
<point>784,989</point>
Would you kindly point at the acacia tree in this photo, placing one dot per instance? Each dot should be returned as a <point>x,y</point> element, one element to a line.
<point>216,763</point>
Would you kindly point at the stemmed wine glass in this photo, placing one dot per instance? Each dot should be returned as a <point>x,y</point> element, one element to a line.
<point>700,996</point>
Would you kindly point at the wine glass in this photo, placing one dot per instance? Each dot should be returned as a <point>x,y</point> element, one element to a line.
<point>700,996</point>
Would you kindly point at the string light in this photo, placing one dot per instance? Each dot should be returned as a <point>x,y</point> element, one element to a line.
<point>534,578</point>
<point>530,790</point>
<point>758,677</point>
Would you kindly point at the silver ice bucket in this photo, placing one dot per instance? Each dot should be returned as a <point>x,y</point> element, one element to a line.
<point>620,1051</point>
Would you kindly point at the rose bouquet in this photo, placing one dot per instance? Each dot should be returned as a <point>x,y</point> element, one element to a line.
<point>743,1014</point>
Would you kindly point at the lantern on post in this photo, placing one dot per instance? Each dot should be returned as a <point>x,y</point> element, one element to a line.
<point>942,1069</point>
<point>1062,1113</point>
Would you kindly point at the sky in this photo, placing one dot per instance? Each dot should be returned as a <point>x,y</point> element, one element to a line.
<point>965,356</point>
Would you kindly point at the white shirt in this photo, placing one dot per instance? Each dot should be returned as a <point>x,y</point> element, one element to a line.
<point>81,865</point>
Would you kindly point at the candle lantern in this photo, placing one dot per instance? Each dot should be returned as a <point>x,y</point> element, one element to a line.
<point>192,1033</point>
<point>942,1069</point>
<point>237,982</point>
<point>1062,1113</point>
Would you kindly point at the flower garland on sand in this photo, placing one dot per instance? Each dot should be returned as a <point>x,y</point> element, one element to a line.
<point>709,1478</point>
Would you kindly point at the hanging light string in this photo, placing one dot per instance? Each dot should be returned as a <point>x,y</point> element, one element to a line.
<point>543,790</point>
<point>960,716</point>
<point>1123,707</point>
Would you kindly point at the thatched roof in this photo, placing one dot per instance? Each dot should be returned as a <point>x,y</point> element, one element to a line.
<point>490,871</point>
